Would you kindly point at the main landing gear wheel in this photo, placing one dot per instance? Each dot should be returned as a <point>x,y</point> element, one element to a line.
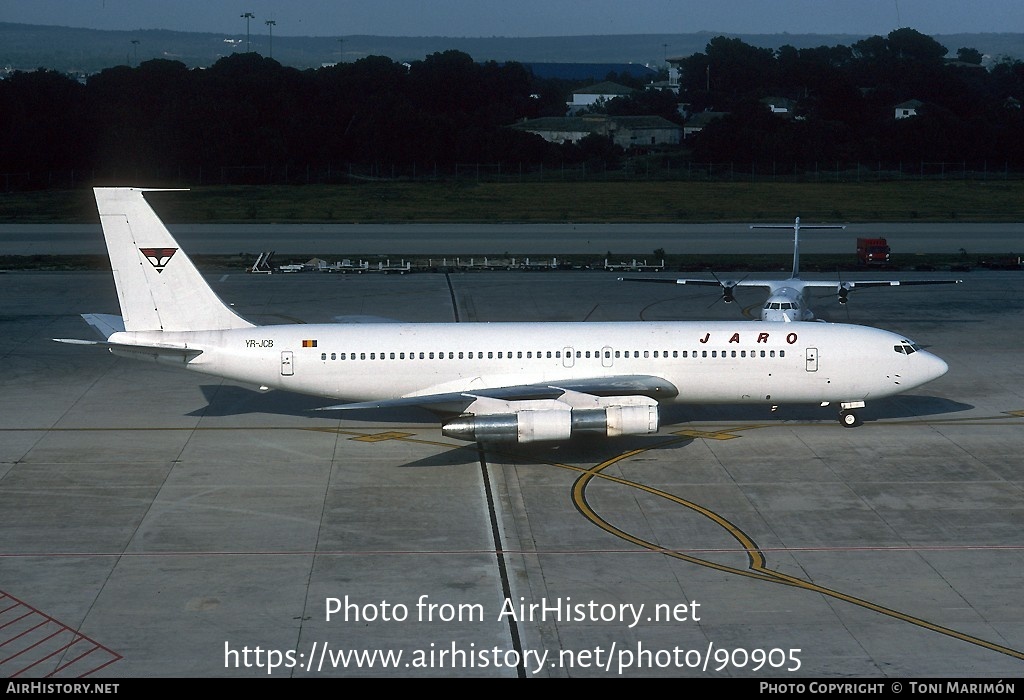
<point>849,419</point>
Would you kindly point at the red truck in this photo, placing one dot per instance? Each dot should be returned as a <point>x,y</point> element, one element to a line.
<point>872,251</point>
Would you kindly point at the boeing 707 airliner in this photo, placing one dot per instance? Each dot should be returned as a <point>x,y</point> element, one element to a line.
<point>488,382</point>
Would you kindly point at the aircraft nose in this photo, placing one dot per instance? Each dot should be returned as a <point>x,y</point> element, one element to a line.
<point>934,366</point>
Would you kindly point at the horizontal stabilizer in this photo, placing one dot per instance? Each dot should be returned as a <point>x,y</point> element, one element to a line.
<point>106,324</point>
<point>162,352</point>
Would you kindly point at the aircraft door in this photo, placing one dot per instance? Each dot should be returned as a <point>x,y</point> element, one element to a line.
<point>287,368</point>
<point>606,356</point>
<point>568,357</point>
<point>811,360</point>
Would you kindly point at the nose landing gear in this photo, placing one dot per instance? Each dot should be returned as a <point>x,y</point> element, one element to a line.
<point>848,417</point>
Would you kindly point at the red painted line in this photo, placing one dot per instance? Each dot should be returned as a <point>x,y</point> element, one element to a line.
<point>76,664</point>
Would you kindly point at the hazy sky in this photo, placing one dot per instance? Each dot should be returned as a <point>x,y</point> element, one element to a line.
<point>525,18</point>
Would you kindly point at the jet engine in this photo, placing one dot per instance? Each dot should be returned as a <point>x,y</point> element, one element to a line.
<point>532,425</point>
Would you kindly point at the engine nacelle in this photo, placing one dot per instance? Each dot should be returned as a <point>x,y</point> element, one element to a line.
<point>521,426</point>
<point>539,425</point>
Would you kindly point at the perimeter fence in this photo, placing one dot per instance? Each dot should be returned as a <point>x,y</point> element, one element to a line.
<point>627,170</point>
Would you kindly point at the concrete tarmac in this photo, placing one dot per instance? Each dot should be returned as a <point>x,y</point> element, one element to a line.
<point>158,523</point>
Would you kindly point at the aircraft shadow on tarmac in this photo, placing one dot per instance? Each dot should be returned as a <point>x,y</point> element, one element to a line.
<point>230,400</point>
<point>584,449</point>
<point>904,406</point>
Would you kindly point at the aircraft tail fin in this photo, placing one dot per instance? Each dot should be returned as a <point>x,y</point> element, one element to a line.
<point>796,226</point>
<point>158,287</point>
<point>796,248</point>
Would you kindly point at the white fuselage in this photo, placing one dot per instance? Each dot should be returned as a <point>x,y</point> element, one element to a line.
<point>787,303</point>
<point>706,362</point>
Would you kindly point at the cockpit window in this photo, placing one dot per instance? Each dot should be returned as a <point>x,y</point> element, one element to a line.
<point>906,347</point>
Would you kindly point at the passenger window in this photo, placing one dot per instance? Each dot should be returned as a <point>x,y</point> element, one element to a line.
<point>323,356</point>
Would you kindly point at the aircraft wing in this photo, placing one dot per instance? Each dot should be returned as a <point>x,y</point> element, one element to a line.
<point>364,318</point>
<point>804,283</point>
<point>458,401</point>
<point>855,284</point>
<point>705,282</point>
<point>662,280</point>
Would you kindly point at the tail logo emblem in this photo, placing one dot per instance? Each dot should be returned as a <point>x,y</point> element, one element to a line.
<point>158,257</point>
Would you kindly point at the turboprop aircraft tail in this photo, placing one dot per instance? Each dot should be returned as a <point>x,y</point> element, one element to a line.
<point>158,287</point>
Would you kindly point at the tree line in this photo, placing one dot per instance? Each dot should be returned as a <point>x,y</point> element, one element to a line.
<point>845,99</point>
<point>249,112</point>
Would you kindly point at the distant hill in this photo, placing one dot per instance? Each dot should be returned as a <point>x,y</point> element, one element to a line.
<point>85,51</point>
